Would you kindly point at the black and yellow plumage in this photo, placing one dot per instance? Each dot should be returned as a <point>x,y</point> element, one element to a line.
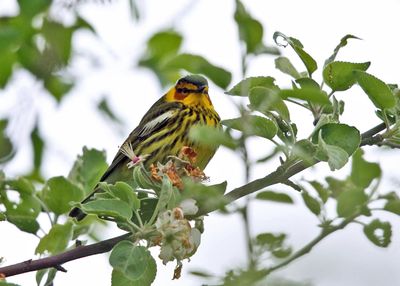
<point>164,130</point>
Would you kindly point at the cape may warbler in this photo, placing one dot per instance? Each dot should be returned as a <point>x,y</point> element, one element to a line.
<point>164,130</point>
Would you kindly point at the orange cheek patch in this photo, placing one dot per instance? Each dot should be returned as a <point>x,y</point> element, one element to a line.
<point>179,95</point>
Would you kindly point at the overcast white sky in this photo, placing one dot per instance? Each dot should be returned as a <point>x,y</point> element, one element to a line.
<point>346,258</point>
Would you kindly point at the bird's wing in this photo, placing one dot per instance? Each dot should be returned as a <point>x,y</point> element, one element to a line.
<point>155,119</point>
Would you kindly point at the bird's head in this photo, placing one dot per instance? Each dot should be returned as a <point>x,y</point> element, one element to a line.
<point>191,90</point>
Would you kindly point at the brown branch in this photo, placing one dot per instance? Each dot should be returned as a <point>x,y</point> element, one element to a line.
<point>280,175</point>
<point>56,260</point>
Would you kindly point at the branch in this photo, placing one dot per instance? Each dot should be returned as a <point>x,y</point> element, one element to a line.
<point>56,260</point>
<point>309,246</point>
<point>280,175</point>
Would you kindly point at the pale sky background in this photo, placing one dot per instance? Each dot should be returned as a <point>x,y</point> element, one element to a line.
<point>346,258</point>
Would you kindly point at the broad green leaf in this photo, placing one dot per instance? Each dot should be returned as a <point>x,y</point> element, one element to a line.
<point>334,155</point>
<point>284,65</point>
<point>198,65</point>
<point>312,204</point>
<point>275,197</point>
<point>88,169</point>
<point>23,210</point>
<point>270,239</point>
<point>7,60</point>
<point>133,265</point>
<point>56,240</point>
<point>6,147</point>
<point>161,47</point>
<point>305,150</point>
<point>265,100</point>
<point>30,8</point>
<point>341,135</point>
<point>243,88</point>
<point>343,43</point>
<point>307,94</point>
<point>126,193</point>
<point>206,197</point>
<point>212,137</point>
<point>57,86</point>
<point>362,171</point>
<point>323,192</point>
<point>378,91</point>
<point>340,76</point>
<point>250,30</point>
<point>163,44</point>
<point>169,196</point>
<point>4,283</point>
<point>59,40</point>
<point>114,208</point>
<point>309,62</point>
<point>308,83</point>
<point>350,202</point>
<point>379,233</point>
<point>22,185</point>
<point>252,125</point>
<point>393,206</point>
<point>58,193</point>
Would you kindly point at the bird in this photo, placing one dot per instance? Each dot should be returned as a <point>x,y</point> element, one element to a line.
<point>163,132</point>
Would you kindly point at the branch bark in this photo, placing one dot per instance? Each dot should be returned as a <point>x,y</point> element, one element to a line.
<point>280,175</point>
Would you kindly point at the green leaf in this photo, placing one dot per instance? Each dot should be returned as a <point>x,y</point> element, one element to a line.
<point>343,43</point>
<point>59,40</point>
<point>350,202</point>
<point>21,212</point>
<point>133,265</point>
<point>59,193</point>
<point>112,207</point>
<point>250,30</point>
<point>30,8</point>
<point>37,145</point>
<point>308,83</point>
<point>57,86</point>
<point>104,108</point>
<point>198,65</point>
<point>252,125</point>
<point>243,88</point>
<point>163,44</point>
<point>88,169</point>
<point>161,47</point>
<point>341,135</point>
<point>4,283</point>
<point>275,197</point>
<point>393,206</point>
<point>284,65</point>
<point>362,171</point>
<point>6,147</point>
<point>307,94</point>
<point>379,233</point>
<point>334,155</point>
<point>378,92</point>
<point>312,204</point>
<point>7,60</point>
<point>206,197</point>
<point>323,192</point>
<point>305,150</point>
<point>309,62</point>
<point>212,137</point>
<point>169,195</point>
<point>56,240</point>
<point>126,193</point>
<point>340,76</point>
<point>265,100</point>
